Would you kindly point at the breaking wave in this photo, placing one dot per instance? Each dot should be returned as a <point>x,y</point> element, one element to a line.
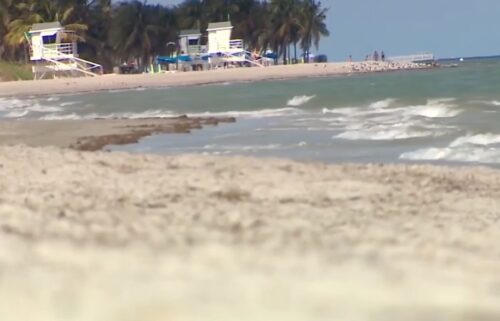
<point>145,114</point>
<point>478,139</point>
<point>262,113</point>
<point>462,154</point>
<point>479,148</point>
<point>387,134</point>
<point>166,114</point>
<point>299,100</point>
<point>385,120</point>
<point>17,108</point>
<point>382,103</point>
<point>487,102</point>
<point>16,113</point>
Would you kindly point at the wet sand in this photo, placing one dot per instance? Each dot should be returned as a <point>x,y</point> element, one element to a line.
<point>92,135</point>
<point>114,236</point>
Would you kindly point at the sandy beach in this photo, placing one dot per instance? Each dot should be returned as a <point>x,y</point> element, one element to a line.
<point>113,236</point>
<point>118,82</point>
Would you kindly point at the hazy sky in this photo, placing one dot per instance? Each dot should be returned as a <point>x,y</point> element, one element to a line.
<point>448,28</point>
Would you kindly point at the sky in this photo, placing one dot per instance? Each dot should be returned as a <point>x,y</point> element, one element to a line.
<point>447,28</point>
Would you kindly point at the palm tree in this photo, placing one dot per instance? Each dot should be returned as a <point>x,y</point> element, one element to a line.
<point>37,11</point>
<point>313,25</point>
<point>249,22</point>
<point>197,14</point>
<point>134,29</point>
<point>97,46</point>
<point>137,31</point>
<point>5,16</point>
<point>285,24</point>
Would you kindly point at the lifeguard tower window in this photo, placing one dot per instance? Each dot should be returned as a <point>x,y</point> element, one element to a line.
<point>50,39</point>
<point>193,42</point>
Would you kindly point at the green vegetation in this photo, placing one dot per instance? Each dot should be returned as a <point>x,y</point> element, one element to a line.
<point>110,32</point>
<point>14,71</point>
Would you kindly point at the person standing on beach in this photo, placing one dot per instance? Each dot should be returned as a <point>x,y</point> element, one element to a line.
<point>375,55</point>
<point>382,55</point>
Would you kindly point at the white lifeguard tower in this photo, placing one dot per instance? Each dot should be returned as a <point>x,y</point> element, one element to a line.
<point>190,42</point>
<point>53,57</point>
<point>222,48</point>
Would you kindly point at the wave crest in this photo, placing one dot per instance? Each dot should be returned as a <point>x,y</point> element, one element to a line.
<point>479,139</point>
<point>299,100</point>
<point>463,154</point>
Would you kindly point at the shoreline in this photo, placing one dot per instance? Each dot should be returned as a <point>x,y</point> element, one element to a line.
<point>95,134</point>
<point>196,78</point>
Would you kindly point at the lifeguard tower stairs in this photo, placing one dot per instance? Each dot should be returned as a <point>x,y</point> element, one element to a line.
<point>54,58</point>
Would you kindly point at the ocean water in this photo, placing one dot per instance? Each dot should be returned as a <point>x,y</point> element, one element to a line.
<point>446,115</point>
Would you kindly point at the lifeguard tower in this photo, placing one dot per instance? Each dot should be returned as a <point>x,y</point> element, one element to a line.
<point>190,42</point>
<point>191,50</point>
<point>54,58</point>
<point>222,48</point>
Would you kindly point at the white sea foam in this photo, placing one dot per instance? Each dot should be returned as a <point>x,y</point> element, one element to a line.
<point>478,148</point>
<point>44,109</point>
<point>478,139</point>
<point>262,113</point>
<point>17,108</point>
<point>145,114</point>
<point>277,129</point>
<point>299,100</point>
<point>242,147</point>
<point>433,111</point>
<point>395,133</point>
<point>382,103</point>
<point>71,116</point>
<point>441,100</point>
<point>249,148</point>
<point>434,108</point>
<point>461,154</point>
<point>13,103</point>
<point>69,103</point>
<point>343,110</point>
<point>165,114</point>
<point>486,102</point>
<point>17,113</point>
<point>386,120</point>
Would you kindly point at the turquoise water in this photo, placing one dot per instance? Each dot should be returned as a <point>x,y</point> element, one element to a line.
<point>442,115</point>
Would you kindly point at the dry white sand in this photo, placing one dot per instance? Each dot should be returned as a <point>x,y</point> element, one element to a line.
<point>112,236</point>
<point>116,82</point>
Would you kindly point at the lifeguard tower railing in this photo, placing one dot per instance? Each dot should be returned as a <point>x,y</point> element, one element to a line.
<point>58,49</point>
<point>416,58</point>
<point>236,44</point>
<point>63,58</point>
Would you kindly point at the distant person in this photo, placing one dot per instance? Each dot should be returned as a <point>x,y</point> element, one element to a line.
<point>367,57</point>
<point>382,56</point>
<point>375,55</point>
<point>350,58</point>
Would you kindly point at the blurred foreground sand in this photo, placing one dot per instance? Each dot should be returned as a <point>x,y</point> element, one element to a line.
<point>113,236</point>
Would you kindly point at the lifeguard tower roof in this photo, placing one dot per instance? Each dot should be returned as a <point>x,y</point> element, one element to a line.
<point>189,32</point>
<point>219,25</point>
<point>38,27</point>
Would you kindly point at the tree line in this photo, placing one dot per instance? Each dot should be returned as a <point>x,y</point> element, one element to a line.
<point>109,31</point>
